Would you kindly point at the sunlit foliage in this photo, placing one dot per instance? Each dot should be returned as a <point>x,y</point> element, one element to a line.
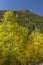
<point>19,44</point>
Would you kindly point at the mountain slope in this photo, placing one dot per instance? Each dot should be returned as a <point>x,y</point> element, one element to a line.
<point>21,38</point>
<point>27,19</point>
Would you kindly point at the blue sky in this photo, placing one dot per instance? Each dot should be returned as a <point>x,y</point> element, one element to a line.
<point>35,6</point>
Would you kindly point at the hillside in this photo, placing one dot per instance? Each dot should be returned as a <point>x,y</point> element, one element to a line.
<point>21,38</point>
<point>27,19</point>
